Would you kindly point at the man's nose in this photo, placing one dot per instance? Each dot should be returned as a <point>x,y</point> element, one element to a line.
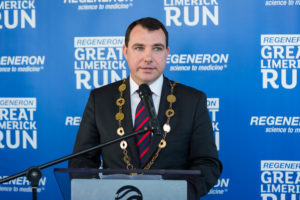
<point>148,56</point>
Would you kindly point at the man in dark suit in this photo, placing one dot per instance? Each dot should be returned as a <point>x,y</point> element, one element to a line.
<point>187,141</point>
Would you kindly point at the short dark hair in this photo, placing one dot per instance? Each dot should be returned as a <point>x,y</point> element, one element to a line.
<point>150,24</point>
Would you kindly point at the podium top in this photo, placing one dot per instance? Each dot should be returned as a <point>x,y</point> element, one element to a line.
<point>128,172</point>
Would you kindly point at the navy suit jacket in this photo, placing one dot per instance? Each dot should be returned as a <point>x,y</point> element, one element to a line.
<point>190,143</point>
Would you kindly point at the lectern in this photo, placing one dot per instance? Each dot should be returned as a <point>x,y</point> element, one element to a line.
<point>78,184</point>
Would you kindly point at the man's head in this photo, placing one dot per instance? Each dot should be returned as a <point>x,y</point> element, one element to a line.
<point>148,23</point>
<point>146,49</point>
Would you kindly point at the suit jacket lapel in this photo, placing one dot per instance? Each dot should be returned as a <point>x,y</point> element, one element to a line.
<point>128,127</point>
<point>163,104</point>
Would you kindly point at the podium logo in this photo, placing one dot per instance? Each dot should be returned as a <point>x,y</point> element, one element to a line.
<point>191,13</point>
<point>213,107</point>
<point>129,192</point>
<point>280,180</point>
<point>17,123</point>
<point>17,14</point>
<point>98,61</point>
<point>280,61</point>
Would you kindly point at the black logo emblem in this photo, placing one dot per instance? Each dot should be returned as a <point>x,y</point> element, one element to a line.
<point>129,192</point>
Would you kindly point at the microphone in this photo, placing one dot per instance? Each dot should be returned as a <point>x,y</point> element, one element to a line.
<point>146,97</point>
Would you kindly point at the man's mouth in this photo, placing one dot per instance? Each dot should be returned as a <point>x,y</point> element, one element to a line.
<point>147,68</point>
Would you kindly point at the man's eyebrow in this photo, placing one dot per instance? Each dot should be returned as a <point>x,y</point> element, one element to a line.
<point>138,44</point>
<point>154,45</point>
<point>159,45</point>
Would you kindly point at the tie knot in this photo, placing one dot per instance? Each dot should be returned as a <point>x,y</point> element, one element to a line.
<point>143,94</point>
<point>144,89</point>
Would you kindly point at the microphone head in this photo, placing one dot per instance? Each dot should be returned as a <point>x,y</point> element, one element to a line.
<point>144,89</point>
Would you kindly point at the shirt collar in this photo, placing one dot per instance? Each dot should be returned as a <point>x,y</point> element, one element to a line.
<point>155,87</point>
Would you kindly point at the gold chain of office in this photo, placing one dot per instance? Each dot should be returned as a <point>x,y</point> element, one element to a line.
<point>167,128</point>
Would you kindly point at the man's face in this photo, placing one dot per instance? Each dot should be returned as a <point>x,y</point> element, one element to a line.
<point>146,54</point>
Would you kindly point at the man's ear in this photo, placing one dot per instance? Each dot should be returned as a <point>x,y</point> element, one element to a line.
<point>168,50</point>
<point>124,49</point>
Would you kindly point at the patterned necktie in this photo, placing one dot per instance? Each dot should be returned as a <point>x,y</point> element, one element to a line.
<point>142,140</point>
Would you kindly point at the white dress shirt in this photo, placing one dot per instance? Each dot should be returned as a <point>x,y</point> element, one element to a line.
<point>155,87</point>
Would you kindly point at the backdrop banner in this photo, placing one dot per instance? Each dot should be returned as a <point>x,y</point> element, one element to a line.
<point>245,55</point>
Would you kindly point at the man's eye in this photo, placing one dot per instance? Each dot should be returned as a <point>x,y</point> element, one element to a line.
<point>158,48</point>
<point>139,48</point>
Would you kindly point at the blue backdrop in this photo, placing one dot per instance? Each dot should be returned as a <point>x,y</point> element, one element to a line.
<point>245,55</point>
